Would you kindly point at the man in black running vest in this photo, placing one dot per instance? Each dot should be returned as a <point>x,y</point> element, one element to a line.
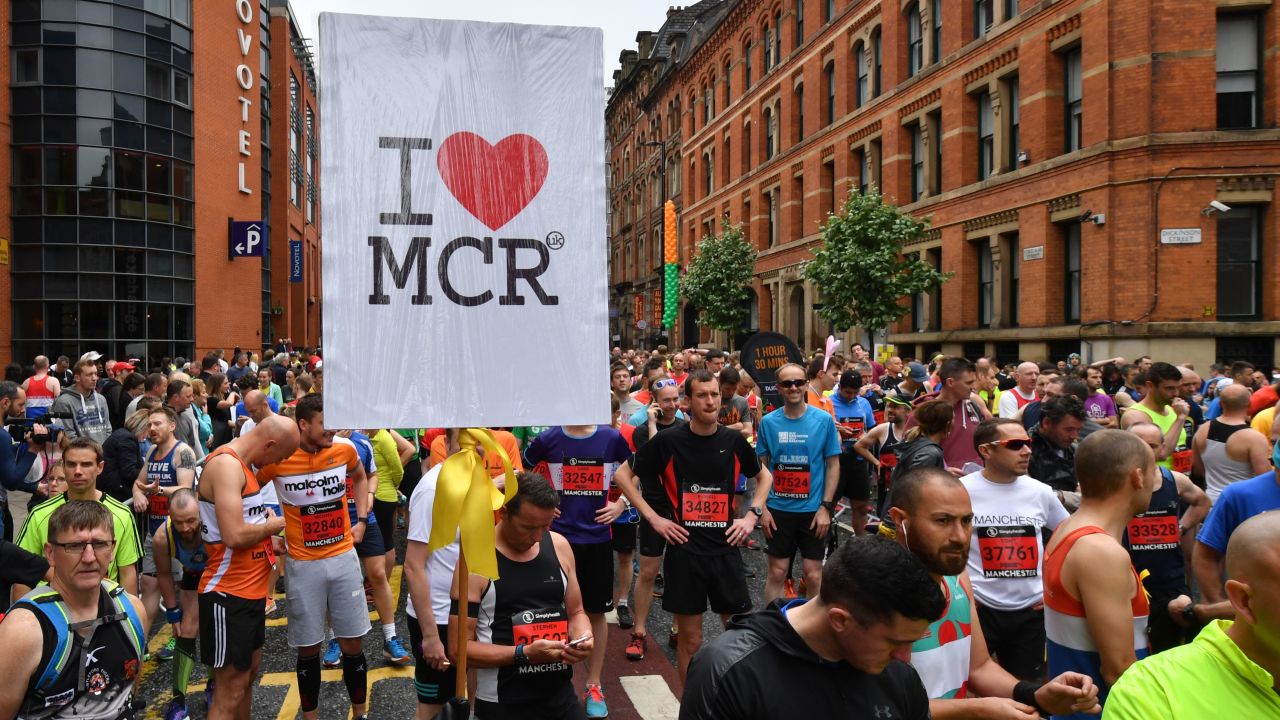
<point>533,627</point>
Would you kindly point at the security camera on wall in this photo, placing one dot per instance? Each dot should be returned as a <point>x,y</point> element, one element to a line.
<point>1219,206</point>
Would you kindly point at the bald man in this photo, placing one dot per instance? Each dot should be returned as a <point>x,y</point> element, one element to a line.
<point>1095,610</point>
<point>1156,541</point>
<point>1229,670</point>
<point>1021,394</point>
<point>1226,449</point>
<point>236,527</point>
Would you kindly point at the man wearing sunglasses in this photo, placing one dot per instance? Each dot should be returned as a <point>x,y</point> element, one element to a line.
<point>1012,514</point>
<point>97,625</point>
<point>800,446</point>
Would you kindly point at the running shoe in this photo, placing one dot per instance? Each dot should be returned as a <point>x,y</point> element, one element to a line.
<point>789,590</point>
<point>395,653</point>
<point>637,646</point>
<point>175,710</point>
<point>271,606</point>
<point>208,694</point>
<point>658,586</point>
<point>625,618</point>
<point>166,652</point>
<point>332,655</point>
<point>593,698</point>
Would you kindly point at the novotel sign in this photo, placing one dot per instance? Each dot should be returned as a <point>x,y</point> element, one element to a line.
<point>245,78</point>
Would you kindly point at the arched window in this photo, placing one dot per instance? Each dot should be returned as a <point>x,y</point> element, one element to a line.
<point>915,40</point>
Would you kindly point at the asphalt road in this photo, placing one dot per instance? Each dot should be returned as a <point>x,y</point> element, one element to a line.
<point>645,690</point>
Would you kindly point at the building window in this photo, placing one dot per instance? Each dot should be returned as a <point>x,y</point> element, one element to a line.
<point>295,141</point>
<point>986,284</point>
<point>768,49</point>
<point>830,72</point>
<point>727,96</point>
<point>917,162</point>
<point>1071,266</point>
<point>777,37</point>
<point>876,59</point>
<point>829,182</point>
<point>746,147</point>
<point>771,201</point>
<point>746,69</point>
<point>915,40</point>
<point>1010,9</point>
<point>1238,77</point>
<point>828,10</point>
<point>986,137</point>
<point>1239,264</point>
<point>1074,88</point>
<point>864,170</point>
<point>935,128</point>
<point>863,63</point>
<point>935,13</point>
<point>984,16</point>
<point>1013,115</point>
<point>768,134</point>
<point>917,311</point>
<point>1015,273</point>
<point>799,22</point>
<point>799,100</point>
<point>26,66</point>
<point>708,165</point>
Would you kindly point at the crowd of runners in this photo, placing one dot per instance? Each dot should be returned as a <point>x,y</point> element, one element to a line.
<point>975,539</point>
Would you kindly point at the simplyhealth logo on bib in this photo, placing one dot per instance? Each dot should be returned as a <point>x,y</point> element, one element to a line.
<point>463,206</point>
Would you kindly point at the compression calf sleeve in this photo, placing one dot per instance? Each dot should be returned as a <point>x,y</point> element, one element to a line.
<point>184,662</point>
<point>309,682</point>
<point>354,673</point>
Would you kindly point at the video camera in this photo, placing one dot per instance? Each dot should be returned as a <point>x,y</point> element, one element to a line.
<point>23,429</point>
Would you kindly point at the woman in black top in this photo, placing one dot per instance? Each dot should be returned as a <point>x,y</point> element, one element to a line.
<point>221,399</point>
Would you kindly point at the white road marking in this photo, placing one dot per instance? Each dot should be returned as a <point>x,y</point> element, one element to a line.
<point>651,697</point>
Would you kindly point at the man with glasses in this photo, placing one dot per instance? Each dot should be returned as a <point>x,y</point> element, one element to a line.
<point>1012,513</point>
<point>800,446</point>
<point>73,648</point>
<point>82,462</point>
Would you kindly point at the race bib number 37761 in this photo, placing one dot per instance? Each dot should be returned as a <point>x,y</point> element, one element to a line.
<point>1008,551</point>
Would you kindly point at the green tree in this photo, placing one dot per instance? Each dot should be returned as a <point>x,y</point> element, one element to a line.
<point>860,268</point>
<point>718,278</point>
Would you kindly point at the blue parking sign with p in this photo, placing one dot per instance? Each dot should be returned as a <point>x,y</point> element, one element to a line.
<point>247,238</point>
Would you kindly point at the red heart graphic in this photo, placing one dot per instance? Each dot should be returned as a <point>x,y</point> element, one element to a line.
<point>493,182</point>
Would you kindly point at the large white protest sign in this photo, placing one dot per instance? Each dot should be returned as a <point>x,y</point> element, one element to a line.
<point>464,223</point>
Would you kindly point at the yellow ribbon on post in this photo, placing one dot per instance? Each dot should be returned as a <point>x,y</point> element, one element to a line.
<point>466,500</point>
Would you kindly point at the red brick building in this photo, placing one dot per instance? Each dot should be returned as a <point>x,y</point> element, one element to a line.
<point>1065,153</point>
<point>136,132</point>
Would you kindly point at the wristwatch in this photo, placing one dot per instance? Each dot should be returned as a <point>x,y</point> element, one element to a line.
<point>830,505</point>
<point>757,511</point>
<point>364,520</point>
<point>1189,615</point>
